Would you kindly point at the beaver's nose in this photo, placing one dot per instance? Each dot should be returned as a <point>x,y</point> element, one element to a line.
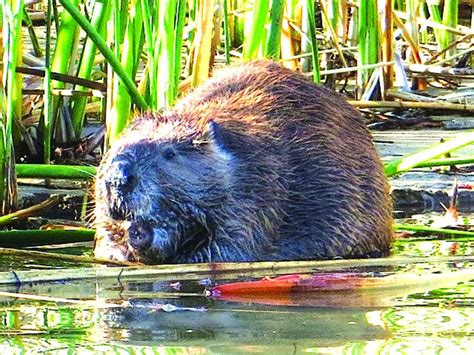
<point>140,236</point>
<point>122,177</point>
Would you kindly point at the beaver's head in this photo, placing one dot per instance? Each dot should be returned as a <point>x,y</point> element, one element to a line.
<point>157,188</point>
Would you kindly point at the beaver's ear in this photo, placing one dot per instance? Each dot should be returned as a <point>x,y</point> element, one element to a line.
<point>216,134</point>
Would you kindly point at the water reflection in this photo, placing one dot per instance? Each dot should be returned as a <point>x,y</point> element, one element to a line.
<point>175,317</point>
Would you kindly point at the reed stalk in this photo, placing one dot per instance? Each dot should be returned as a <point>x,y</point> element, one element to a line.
<point>227,33</point>
<point>11,100</point>
<point>314,41</point>
<point>168,48</point>
<point>17,238</point>
<point>273,44</point>
<point>119,103</point>
<point>31,31</point>
<point>63,62</point>
<point>387,42</point>
<point>406,163</point>
<point>197,271</point>
<point>29,211</point>
<point>203,41</point>
<point>71,172</point>
<point>47,104</point>
<point>100,14</point>
<point>237,23</point>
<point>435,15</point>
<point>450,19</point>
<point>458,234</point>
<point>256,36</point>
<point>368,38</point>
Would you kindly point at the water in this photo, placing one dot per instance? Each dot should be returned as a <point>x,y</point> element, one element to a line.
<point>171,314</point>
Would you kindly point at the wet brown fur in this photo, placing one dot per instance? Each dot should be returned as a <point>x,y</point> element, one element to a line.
<point>295,174</point>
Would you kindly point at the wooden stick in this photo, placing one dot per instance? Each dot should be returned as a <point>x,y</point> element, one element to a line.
<point>30,211</point>
<point>460,30</point>
<point>460,73</point>
<point>63,77</point>
<point>451,45</point>
<point>409,96</point>
<point>413,105</point>
<point>217,270</point>
<point>65,92</point>
<point>63,257</point>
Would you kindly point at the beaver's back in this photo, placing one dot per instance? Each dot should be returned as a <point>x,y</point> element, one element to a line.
<point>303,157</point>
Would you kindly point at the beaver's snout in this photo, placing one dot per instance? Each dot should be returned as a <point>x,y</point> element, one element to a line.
<point>150,243</point>
<point>121,178</point>
<point>140,236</point>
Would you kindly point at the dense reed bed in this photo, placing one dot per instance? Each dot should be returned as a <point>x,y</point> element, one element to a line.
<point>67,63</point>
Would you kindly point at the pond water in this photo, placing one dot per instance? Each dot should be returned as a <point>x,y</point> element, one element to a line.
<point>431,313</point>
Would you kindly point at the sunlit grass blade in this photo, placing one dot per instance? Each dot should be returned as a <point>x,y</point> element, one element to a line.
<point>119,103</point>
<point>203,41</point>
<point>42,171</point>
<point>459,234</point>
<point>274,34</point>
<point>368,37</point>
<point>168,47</point>
<point>227,35</point>
<point>256,35</point>
<point>314,42</point>
<point>410,161</point>
<point>48,104</point>
<point>450,19</point>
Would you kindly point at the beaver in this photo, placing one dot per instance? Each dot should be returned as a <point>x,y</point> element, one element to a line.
<point>256,164</point>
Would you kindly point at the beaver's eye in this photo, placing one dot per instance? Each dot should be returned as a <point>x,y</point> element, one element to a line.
<point>169,153</point>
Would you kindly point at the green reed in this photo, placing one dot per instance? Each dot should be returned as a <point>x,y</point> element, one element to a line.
<point>450,19</point>
<point>367,37</point>
<point>421,158</point>
<point>11,100</point>
<point>100,14</point>
<point>256,35</point>
<point>127,41</point>
<point>313,40</point>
